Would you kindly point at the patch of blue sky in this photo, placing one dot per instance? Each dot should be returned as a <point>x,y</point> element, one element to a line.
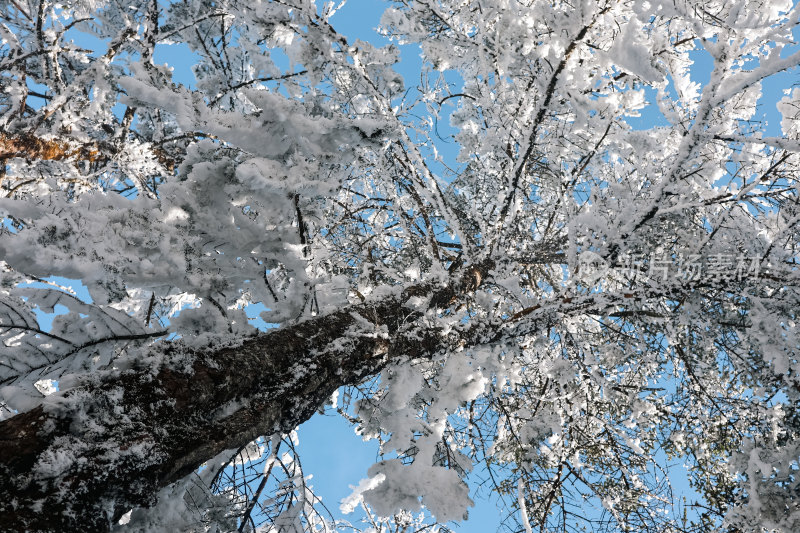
<point>8,225</point>
<point>180,59</point>
<point>650,115</point>
<point>775,87</point>
<point>45,320</point>
<point>38,94</point>
<point>82,37</point>
<point>68,286</point>
<point>253,312</point>
<point>73,287</point>
<point>337,457</point>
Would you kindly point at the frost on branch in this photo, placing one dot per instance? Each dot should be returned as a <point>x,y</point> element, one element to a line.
<point>599,288</point>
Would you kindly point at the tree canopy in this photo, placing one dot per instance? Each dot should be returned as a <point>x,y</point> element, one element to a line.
<point>578,302</point>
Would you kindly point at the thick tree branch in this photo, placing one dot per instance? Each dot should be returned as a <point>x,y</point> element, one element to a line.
<point>91,453</point>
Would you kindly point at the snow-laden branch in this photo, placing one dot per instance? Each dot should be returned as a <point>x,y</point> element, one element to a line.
<point>95,451</point>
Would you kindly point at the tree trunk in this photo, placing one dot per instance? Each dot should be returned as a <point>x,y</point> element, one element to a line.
<point>89,454</point>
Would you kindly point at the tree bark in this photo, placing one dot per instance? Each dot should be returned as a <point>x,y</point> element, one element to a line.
<point>91,453</point>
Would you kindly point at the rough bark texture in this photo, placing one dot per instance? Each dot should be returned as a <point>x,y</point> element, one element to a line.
<point>93,452</point>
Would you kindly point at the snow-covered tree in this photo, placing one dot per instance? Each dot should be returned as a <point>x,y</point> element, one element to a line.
<point>584,300</point>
